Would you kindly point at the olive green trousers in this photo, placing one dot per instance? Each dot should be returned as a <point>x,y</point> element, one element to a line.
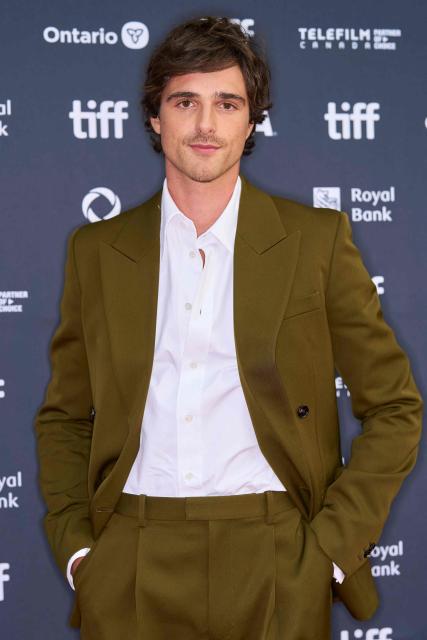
<point>235,567</point>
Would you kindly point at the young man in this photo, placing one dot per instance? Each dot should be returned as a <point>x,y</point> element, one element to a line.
<point>189,439</point>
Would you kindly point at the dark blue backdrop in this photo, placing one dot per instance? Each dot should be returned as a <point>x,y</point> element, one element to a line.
<point>347,130</point>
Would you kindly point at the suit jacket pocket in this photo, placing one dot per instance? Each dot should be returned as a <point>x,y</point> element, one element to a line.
<point>303,304</point>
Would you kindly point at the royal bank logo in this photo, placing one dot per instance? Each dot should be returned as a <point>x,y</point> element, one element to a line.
<point>8,301</point>
<point>105,196</point>
<point>9,498</point>
<point>348,38</point>
<point>5,112</point>
<point>385,558</point>
<point>355,122</point>
<point>4,577</point>
<point>367,205</point>
<point>103,120</point>
<point>329,197</point>
<point>133,35</point>
<point>370,634</point>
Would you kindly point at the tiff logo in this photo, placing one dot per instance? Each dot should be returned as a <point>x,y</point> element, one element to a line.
<point>348,125</point>
<point>92,123</point>
<point>4,577</point>
<point>370,634</point>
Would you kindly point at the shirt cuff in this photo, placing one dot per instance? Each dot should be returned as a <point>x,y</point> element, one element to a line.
<point>78,554</point>
<point>339,575</point>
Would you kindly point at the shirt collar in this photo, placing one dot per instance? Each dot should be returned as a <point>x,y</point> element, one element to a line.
<point>224,227</point>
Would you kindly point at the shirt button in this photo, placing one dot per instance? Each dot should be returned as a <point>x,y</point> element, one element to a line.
<point>192,254</point>
<point>188,418</point>
<point>193,365</point>
<point>189,475</point>
<point>188,305</point>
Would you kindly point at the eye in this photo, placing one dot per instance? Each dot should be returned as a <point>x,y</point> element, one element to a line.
<point>229,104</point>
<point>182,102</point>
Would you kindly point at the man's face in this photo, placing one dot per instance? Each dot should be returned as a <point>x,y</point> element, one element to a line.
<point>209,109</point>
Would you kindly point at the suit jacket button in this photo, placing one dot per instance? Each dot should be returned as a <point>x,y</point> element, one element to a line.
<point>303,411</point>
<point>92,413</point>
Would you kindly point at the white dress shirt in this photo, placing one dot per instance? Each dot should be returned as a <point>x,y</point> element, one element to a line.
<point>197,436</point>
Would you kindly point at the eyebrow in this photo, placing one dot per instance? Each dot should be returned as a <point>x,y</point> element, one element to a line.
<point>224,95</point>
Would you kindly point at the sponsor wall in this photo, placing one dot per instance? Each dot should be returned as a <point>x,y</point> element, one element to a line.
<point>347,130</point>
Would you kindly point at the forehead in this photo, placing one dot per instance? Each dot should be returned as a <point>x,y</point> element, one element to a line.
<point>207,83</point>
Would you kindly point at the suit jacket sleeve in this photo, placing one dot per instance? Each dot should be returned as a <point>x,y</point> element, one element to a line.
<point>384,398</point>
<point>63,428</point>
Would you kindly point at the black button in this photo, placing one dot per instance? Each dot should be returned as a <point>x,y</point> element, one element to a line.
<point>367,551</point>
<point>303,411</point>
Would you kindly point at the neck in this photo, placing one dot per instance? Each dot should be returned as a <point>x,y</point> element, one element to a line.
<point>202,202</point>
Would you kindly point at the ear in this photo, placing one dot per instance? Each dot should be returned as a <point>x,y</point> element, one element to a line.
<point>251,126</point>
<point>155,123</point>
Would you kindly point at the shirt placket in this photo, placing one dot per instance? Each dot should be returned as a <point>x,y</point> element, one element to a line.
<point>197,303</point>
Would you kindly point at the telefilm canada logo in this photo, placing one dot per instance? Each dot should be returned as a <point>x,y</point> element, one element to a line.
<point>133,35</point>
<point>352,122</point>
<point>9,487</point>
<point>8,301</point>
<point>348,38</point>
<point>367,205</point>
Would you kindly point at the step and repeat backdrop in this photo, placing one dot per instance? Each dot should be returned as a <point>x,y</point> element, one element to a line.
<point>347,130</point>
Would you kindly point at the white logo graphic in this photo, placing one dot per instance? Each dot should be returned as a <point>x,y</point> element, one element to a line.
<point>329,197</point>
<point>4,577</point>
<point>5,110</point>
<point>370,634</point>
<point>109,111</point>
<point>135,35</point>
<point>341,388</point>
<point>2,391</point>
<point>7,301</point>
<point>265,126</point>
<point>245,25</point>
<point>93,195</point>
<point>378,282</point>
<point>10,501</point>
<point>350,37</point>
<point>351,122</point>
<point>387,552</point>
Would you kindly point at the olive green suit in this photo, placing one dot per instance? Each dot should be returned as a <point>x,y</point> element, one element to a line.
<point>304,304</point>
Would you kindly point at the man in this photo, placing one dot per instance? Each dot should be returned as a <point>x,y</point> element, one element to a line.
<point>189,439</point>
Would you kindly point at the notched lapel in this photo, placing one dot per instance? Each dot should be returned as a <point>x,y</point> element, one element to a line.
<point>130,278</point>
<point>265,260</point>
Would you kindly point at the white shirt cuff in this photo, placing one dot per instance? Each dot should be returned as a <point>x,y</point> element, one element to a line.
<point>78,554</point>
<point>339,575</point>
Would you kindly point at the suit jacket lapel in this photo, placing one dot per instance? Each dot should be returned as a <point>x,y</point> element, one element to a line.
<point>265,259</point>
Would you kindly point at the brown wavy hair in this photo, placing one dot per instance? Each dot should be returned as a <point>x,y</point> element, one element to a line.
<point>206,44</point>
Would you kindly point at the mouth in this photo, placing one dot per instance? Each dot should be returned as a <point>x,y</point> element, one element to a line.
<point>205,149</point>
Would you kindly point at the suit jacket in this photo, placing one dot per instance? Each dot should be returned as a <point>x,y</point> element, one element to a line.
<point>304,305</point>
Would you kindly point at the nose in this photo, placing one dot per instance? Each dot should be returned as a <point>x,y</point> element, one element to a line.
<point>205,121</point>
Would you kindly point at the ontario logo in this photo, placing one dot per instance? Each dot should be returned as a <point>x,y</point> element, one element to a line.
<point>133,35</point>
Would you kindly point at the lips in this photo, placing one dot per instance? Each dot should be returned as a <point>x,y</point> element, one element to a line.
<point>204,146</point>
